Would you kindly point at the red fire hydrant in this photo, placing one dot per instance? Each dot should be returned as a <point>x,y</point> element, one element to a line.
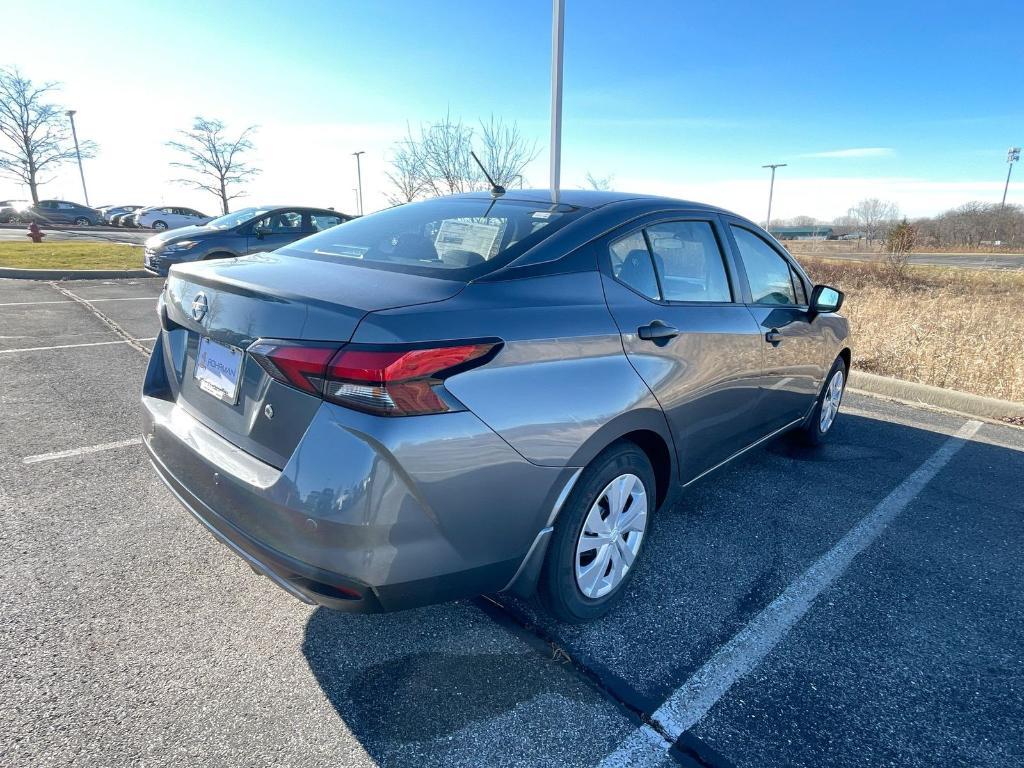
<point>34,233</point>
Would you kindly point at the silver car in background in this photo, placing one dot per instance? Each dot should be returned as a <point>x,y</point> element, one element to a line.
<point>481,393</point>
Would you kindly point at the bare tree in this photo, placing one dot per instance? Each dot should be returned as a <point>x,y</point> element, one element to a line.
<point>505,151</point>
<point>438,161</point>
<point>38,133</point>
<point>214,159</point>
<point>874,216</point>
<point>600,183</point>
<point>405,175</point>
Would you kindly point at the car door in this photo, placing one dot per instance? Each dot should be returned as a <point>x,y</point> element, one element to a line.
<point>274,231</point>
<point>673,293</point>
<point>794,347</point>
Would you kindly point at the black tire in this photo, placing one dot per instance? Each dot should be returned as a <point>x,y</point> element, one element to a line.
<point>160,225</point>
<point>219,255</point>
<point>81,221</point>
<point>811,432</point>
<point>558,587</point>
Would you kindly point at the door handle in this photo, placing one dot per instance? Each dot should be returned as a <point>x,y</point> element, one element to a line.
<point>657,331</point>
<point>773,337</point>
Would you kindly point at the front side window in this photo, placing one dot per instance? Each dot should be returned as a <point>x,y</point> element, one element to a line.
<point>452,238</point>
<point>767,272</point>
<point>689,261</point>
<point>631,264</point>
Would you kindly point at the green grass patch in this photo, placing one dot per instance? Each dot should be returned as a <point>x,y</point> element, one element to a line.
<point>70,255</point>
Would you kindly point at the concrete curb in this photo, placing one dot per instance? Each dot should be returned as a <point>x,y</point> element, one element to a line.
<point>948,399</point>
<point>71,274</point>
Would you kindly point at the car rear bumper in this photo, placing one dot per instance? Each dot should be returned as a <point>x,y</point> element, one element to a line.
<point>363,521</point>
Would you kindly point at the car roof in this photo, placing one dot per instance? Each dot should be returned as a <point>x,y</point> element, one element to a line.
<point>590,198</point>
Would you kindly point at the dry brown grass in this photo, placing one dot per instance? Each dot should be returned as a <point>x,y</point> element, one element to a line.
<point>955,328</point>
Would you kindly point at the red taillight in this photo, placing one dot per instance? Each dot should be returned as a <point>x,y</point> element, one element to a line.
<point>391,382</point>
<point>300,366</point>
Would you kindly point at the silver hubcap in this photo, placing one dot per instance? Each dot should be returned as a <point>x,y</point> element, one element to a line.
<point>611,536</point>
<point>830,405</point>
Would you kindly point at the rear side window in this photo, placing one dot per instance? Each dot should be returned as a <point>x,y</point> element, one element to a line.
<point>674,261</point>
<point>689,261</point>
<point>767,272</point>
<point>319,221</point>
<point>631,264</point>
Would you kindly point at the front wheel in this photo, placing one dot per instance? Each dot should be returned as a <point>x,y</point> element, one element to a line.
<point>161,225</point>
<point>599,535</point>
<point>820,422</point>
<point>81,221</point>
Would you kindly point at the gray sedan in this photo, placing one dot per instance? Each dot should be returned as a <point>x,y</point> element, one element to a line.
<point>250,230</point>
<point>476,393</point>
<point>62,212</point>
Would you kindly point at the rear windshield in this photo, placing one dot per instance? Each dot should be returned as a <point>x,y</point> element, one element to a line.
<point>452,238</point>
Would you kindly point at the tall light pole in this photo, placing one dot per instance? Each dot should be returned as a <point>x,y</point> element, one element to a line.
<point>557,36</point>
<point>71,116</point>
<point>359,177</point>
<point>771,191</point>
<point>1012,156</point>
<point>355,194</point>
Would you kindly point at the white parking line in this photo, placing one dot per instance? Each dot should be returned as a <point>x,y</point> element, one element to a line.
<point>688,704</point>
<point>93,301</point>
<point>72,346</point>
<point>115,327</point>
<point>80,451</point>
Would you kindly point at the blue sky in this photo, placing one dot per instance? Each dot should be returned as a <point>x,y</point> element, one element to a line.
<point>915,102</point>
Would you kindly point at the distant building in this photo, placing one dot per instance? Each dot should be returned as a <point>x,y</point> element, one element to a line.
<point>814,232</point>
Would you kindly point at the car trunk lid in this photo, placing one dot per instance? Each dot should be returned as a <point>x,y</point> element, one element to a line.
<point>235,302</point>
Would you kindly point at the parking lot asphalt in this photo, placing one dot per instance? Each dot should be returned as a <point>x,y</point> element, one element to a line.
<point>129,636</point>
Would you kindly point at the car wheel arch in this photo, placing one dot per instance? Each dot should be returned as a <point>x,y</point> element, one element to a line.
<point>220,255</point>
<point>648,430</point>
<point>847,355</point>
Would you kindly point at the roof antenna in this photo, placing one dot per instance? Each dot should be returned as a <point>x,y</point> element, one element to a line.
<point>496,189</point>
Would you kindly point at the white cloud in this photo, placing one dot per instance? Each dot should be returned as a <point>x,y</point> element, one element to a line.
<point>853,152</point>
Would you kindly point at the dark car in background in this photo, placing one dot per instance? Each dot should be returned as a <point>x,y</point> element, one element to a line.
<point>63,212</point>
<point>475,394</point>
<point>250,230</point>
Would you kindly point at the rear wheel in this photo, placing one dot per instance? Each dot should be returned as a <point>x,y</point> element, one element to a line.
<point>159,225</point>
<point>599,536</point>
<point>820,422</point>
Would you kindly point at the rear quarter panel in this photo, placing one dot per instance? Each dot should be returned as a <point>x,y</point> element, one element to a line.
<point>561,389</point>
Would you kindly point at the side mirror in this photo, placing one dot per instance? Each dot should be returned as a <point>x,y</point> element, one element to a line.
<point>825,298</point>
<point>257,233</point>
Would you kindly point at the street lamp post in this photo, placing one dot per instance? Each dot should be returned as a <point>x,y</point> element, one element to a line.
<point>557,37</point>
<point>771,191</point>
<point>358,176</point>
<point>1012,156</point>
<point>74,134</point>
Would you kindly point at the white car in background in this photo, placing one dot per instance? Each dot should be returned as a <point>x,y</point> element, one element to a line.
<point>169,217</point>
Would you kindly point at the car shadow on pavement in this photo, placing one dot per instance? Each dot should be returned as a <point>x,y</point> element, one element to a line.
<point>445,685</point>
